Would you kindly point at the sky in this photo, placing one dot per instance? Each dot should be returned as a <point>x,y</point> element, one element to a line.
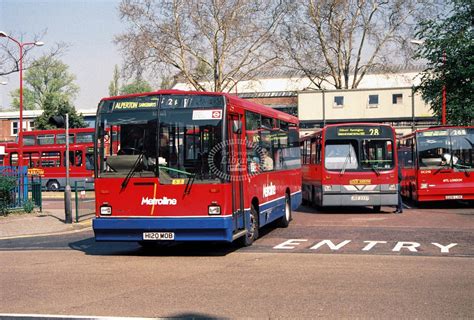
<point>88,26</point>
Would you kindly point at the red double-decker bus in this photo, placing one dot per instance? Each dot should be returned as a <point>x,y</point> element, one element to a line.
<point>44,152</point>
<point>194,166</point>
<point>438,164</point>
<point>351,164</point>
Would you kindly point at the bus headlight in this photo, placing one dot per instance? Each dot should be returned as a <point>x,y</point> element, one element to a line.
<point>105,210</point>
<point>392,187</point>
<point>424,186</point>
<point>214,210</point>
<point>327,188</point>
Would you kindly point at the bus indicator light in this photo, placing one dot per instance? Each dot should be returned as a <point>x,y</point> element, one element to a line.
<point>105,210</point>
<point>327,187</point>
<point>214,210</point>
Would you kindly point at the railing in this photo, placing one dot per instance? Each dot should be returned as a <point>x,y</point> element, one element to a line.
<point>84,199</point>
<point>19,192</point>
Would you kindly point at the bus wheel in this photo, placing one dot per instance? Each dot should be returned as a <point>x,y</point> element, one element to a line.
<point>284,221</point>
<point>377,208</point>
<point>53,185</point>
<point>252,232</point>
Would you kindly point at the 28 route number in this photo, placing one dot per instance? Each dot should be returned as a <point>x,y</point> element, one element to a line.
<point>374,132</point>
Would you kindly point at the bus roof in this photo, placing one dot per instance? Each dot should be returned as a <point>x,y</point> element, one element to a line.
<point>232,99</point>
<point>348,124</point>
<point>57,130</point>
<point>436,128</point>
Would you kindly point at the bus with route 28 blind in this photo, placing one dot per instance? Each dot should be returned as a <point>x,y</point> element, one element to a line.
<point>351,164</point>
<point>438,164</point>
<point>193,166</point>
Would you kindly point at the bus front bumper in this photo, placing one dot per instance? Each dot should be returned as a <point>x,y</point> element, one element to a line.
<point>360,199</point>
<point>184,229</point>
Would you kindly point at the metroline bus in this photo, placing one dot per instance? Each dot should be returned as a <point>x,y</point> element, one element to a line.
<point>194,166</point>
<point>44,153</point>
<point>351,164</point>
<point>438,164</point>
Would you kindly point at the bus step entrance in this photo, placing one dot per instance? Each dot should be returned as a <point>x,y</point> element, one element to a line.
<point>239,234</point>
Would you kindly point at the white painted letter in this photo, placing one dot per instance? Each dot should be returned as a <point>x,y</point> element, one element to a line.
<point>331,245</point>
<point>444,249</point>
<point>289,244</point>
<point>371,244</point>
<point>407,245</point>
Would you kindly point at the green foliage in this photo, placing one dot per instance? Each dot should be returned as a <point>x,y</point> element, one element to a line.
<point>449,48</point>
<point>138,86</point>
<point>47,77</point>
<point>28,206</point>
<point>58,106</point>
<point>28,99</point>
<point>6,186</point>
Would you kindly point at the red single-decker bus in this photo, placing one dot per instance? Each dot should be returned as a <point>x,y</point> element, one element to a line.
<point>193,166</point>
<point>351,164</point>
<point>438,164</point>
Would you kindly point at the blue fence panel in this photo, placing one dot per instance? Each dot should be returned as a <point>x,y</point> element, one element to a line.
<point>20,191</point>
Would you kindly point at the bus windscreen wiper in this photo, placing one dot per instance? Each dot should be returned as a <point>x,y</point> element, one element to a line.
<point>443,166</point>
<point>374,168</point>
<point>348,157</point>
<point>189,184</point>
<point>132,171</point>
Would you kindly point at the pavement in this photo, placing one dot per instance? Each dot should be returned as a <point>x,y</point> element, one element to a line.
<point>48,222</point>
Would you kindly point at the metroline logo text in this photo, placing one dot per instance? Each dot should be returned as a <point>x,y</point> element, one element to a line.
<point>160,202</point>
<point>269,190</point>
<point>368,245</point>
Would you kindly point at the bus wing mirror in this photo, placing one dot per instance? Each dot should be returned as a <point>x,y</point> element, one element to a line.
<point>237,126</point>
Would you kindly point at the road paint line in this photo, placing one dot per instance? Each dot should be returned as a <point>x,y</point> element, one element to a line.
<point>49,316</point>
<point>45,235</point>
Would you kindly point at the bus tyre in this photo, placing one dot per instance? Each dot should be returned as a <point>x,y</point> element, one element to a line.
<point>284,221</point>
<point>377,208</point>
<point>252,232</point>
<point>52,185</point>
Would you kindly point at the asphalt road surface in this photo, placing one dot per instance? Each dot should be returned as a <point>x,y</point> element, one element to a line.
<point>326,264</point>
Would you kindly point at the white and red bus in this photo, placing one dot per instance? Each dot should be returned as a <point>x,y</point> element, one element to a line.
<point>194,166</point>
<point>438,164</point>
<point>351,164</point>
<point>44,153</point>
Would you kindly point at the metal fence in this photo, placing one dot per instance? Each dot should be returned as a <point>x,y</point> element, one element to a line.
<point>84,199</point>
<point>18,194</point>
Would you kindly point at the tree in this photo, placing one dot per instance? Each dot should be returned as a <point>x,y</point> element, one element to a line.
<point>114,83</point>
<point>229,37</point>
<point>138,86</point>
<point>448,46</point>
<point>336,42</point>
<point>58,106</point>
<point>47,77</point>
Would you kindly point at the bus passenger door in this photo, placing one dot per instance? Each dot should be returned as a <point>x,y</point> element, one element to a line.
<point>237,169</point>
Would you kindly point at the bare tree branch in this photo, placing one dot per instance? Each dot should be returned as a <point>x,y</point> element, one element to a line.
<point>211,41</point>
<point>10,54</point>
<point>347,38</point>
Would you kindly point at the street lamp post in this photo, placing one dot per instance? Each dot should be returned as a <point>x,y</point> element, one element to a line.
<point>20,62</point>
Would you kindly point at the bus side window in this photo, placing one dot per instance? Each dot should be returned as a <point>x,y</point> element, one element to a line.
<point>90,161</point>
<point>78,158</point>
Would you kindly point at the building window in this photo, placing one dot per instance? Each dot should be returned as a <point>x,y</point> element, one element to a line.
<point>373,100</point>
<point>397,98</point>
<point>338,101</point>
<point>15,128</point>
<point>31,125</point>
